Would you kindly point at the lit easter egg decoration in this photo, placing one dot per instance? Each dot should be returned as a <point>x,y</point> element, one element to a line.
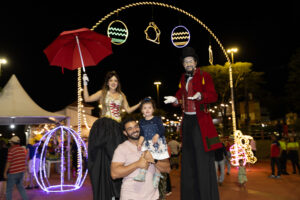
<point>118,32</point>
<point>61,136</point>
<point>180,36</point>
<point>237,153</point>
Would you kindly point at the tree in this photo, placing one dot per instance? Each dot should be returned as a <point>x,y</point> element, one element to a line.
<point>293,82</point>
<point>245,81</point>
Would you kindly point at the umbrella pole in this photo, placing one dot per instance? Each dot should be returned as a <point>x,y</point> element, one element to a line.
<point>81,59</point>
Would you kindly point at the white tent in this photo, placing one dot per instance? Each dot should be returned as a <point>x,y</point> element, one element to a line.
<point>18,108</point>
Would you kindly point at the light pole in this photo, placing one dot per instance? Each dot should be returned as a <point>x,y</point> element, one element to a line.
<point>2,61</point>
<point>157,83</point>
<point>232,51</point>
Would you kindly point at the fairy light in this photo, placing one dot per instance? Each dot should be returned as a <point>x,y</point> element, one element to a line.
<point>44,129</point>
<point>79,100</point>
<point>85,121</point>
<point>237,153</point>
<point>243,142</point>
<point>41,177</point>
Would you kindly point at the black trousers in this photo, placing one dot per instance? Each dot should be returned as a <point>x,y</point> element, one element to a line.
<point>283,159</point>
<point>169,187</point>
<point>293,155</point>
<point>198,174</point>
<point>274,161</point>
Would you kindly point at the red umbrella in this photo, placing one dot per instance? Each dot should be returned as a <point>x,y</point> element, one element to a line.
<point>78,48</point>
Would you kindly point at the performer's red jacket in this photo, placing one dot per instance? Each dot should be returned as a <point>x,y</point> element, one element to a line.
<point>203,83</point>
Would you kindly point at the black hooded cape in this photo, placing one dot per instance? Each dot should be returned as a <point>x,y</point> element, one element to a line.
<point>105,136</point>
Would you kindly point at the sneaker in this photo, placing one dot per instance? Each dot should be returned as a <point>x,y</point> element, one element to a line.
<point>28,188</point>
<point>277,177</point>
<point>141,176</point>
<point>220,183</point>
<point>272,176</point>
<point>228,173</point>
<point>156,179</point>
<point>36,187</point>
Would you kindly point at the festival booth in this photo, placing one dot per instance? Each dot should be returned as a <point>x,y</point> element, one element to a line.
<point>18,108</point>
<point>86,117</point>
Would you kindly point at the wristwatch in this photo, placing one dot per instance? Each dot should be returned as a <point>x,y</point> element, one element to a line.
<point>155,161</point>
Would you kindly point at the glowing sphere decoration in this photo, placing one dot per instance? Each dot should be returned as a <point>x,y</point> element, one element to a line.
<point>118,32</point>
<point>180,36</point>
<point>237,153</point>
<point>64,134</point>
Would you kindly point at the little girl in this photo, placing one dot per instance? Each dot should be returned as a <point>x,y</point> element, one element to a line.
<point>151,139</point>
<point>242,178</point>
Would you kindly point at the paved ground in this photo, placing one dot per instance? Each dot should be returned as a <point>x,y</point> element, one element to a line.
<point>259,187</point>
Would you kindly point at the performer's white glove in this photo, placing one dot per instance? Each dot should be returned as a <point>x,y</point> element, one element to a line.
<point>196,96</point>
<point>85,79</point>
<point>170,99</point>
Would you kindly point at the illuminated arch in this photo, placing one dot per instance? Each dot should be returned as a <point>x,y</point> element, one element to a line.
<point>149,3</point>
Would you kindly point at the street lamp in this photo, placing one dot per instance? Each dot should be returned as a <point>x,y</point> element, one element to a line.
<point>2,61</point>
<point>157,83</point>
<point>232,51</point>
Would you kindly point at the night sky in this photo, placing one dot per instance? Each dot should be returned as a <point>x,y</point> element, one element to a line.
<point>266,35</point>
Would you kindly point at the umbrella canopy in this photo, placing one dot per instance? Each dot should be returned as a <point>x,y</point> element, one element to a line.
<point>78,48</point>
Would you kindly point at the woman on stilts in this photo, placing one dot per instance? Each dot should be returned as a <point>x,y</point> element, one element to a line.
<point>106,135</point>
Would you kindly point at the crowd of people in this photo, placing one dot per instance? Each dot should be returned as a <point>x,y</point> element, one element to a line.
<point>282,150</point>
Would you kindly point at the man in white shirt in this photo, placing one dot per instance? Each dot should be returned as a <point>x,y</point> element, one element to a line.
<point>126,162</point>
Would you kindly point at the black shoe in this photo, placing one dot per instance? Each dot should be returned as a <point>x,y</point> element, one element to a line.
<point>36,187</point>
<point>29,188</point>
<point>294,172</point>
<point>285,173</point>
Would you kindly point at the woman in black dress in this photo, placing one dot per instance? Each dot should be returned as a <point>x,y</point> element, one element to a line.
<point>105,135</point>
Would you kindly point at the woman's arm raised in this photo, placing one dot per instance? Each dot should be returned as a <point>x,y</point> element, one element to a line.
<point>126,105</point>
<point>93,97</point>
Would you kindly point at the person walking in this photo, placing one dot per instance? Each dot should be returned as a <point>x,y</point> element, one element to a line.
<point>30,165</point>
<point>242,175</point>
<point>227,161</point>
<point>15,168</point>
<point>220,157</point>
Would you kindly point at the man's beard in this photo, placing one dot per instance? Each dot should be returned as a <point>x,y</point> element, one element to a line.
<point>133,138</point>
<point>190,72</point>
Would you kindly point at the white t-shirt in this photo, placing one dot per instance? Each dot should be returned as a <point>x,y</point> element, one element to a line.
<point>127,153</point>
